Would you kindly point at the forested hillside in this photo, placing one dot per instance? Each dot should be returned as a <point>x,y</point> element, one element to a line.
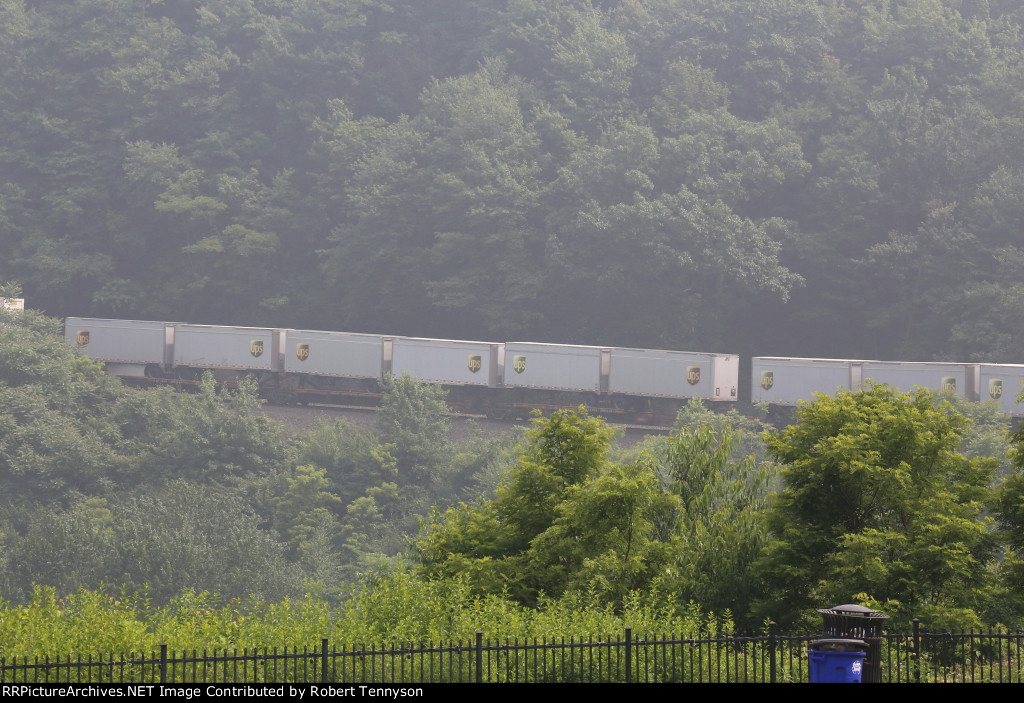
<point>808,177</point>
<point>103,486</point>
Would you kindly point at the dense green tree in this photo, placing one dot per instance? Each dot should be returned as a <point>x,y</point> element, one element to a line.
<point>450,195</point>
<point>1008,508</point>
<point>59,428</point>
<point>306,506</point>
<point>489,539</point>
<point>350,455</point>
<point>878,505</point>
<point>564,519</point>
<point>413,424</point>
<point>609,537</point>
<point>210,436</point>
<point>720,527</point>
<point>164,541</point>
<point>566,449</point>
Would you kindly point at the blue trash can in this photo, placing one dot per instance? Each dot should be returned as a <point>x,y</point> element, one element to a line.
<point>836,667</point>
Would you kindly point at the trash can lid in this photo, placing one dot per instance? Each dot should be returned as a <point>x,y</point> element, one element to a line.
<point>853,610</point>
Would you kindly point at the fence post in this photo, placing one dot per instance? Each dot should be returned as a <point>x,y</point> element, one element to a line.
<point>629,654</point>
<point>772,664</point>
<point>916,655</point>
<point>323,660</point>
<point>479,656</point>
<point>163,663</point>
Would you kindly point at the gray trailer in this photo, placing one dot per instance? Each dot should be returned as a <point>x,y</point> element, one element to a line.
<point>447,361</point>
<point>336,354</point>
<point>673,374</point>
<point>237,348</point>
<point>128,347</point>
<point>936,376</point>
<point>1001,383</point>
<point>787,381</point>
<point>560,367</point>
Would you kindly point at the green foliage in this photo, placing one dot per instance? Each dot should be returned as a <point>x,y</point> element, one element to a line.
<point>608,537</point>
<point>987,434</point>
<point>566,449</point>
<point>480,462</point>
<point>720,528</point>
<point>564,519</point>
<point>10,289</point>
<point>567,171</point>
<point>879,506</point>
<point>59,429</point>
<point>745,433</point>
<point>488,542</point>
<point>165,540</point>
<point>1008,509</point>
<point>303,512</point>
<point>210,436</point>
<point>350,455</point>
<point>392,607</point>
<point>412,421</point>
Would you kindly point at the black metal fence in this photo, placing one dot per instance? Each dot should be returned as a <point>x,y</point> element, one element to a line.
<point>914,657</point>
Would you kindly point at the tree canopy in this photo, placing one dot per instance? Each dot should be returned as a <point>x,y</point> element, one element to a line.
<point>790,177</point>
<point>878,505</point>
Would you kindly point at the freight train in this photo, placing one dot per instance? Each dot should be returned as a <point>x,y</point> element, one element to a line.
<point>501,379</point>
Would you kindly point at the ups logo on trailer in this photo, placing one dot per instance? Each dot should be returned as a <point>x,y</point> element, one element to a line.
<point>302,351</point>
<point>519,363</point>
<point>474,363</point>
<point>995,388</point>
<point>82,338</point>
<point>693,375</point>
<point>767,380</point>
<point>256,347</point>
<point>949,384</point>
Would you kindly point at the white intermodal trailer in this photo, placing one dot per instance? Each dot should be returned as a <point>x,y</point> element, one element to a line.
<point>242,349</point>
<point>129,348</point>
<point>1001,383</point>
<point>447,361</point>
<point>787,381</point>
<point>334,354</point>
<point>657,373</point>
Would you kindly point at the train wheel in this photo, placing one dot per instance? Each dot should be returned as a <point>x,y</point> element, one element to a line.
<point>184,373</point>
<point>592,402</point>
<point>499,412</point>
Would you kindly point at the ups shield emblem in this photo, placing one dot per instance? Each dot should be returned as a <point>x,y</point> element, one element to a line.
<point>995,388</point>
<point>519,363</point>
<point>693,375</point>
<point>82,338</point>
<point>302,351</point>
<point>767,380</point>
<point>474,363</point>
<point>949,384</point>
<point>256,347</point>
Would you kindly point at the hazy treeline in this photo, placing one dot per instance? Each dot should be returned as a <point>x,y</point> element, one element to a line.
<point>807,177</point>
